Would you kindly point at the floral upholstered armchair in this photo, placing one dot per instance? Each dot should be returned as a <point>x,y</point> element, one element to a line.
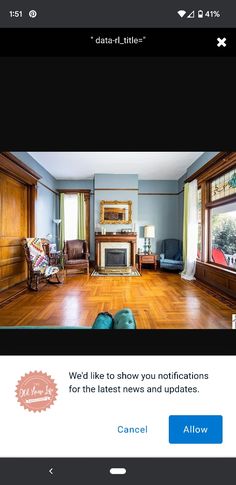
<point>38,263</point>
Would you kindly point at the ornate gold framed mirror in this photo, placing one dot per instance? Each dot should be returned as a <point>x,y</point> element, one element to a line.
<point>115,212</point>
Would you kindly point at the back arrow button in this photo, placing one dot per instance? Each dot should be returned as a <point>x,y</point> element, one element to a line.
<point>51,471</point>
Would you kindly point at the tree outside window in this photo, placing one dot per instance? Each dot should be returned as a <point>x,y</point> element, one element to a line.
<point>223,235</point>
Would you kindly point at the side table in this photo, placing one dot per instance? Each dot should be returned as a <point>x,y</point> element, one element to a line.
<point>56,259</point>
<point>143,258</point>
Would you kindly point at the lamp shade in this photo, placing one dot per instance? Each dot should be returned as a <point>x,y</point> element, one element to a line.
<point>149,231</point>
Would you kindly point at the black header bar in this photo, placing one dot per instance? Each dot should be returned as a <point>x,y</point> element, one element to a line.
<point>118,42</point>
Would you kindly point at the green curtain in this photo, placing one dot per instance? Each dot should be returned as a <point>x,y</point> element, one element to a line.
<point>62,217</point>
<point>81,216</point>
<point>185,225</point>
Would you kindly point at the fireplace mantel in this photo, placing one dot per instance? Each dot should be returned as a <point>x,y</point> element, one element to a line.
<point>125,237</point>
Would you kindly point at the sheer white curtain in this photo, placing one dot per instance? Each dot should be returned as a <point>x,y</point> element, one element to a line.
<point>190,234</point>
<point>71,216</point>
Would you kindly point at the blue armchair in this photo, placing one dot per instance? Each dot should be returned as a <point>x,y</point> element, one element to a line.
<point>171,255</point>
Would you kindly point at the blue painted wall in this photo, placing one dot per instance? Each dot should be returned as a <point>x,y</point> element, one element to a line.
<point>129,191</point>
<point>46,177</point>
<point>116,181</point>
<point>47,201</point>
<point>160,209</point>
<point>45,212</point>
<point>162,186</point>
<point>199,163</point>
<point>75,184</point>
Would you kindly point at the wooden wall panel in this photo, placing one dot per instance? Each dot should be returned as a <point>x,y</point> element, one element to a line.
<point>13,228</point>
<point>232,286</point>
<point>217,278</point>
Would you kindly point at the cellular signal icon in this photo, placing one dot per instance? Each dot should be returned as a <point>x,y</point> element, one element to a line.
<point>181,13</point>
<point>191,15</point>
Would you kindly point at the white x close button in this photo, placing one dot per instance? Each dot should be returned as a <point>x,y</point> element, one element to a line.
<point>221,42</point>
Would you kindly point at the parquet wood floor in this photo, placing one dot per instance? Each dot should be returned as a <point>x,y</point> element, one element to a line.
<point>158,301</point>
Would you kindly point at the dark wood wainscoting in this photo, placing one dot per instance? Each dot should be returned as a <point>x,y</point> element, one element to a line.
<point>223,280</point>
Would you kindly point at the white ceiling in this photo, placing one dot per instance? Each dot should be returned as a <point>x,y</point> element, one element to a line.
<point>148,165</point>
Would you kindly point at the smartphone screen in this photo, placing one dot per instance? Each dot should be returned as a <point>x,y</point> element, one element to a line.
<point>117,243</point>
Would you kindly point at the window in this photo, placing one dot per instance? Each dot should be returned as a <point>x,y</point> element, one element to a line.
<point>223,235</point>
<point>71,216</point>
<point>224,186</point>
<point>217,212</point>
<point>75,215</point>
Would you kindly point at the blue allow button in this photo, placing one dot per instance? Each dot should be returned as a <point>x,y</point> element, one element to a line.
<point>195,429</point>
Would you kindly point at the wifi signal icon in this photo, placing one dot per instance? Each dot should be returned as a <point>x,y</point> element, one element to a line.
<point>181,13</point>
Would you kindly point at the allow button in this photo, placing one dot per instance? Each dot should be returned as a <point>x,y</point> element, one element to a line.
<point>196,429</point>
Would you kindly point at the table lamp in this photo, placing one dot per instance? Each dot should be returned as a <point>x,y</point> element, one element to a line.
<point>149,232</point>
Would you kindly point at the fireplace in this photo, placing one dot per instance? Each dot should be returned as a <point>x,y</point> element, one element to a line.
<point>115,250</point>
<point>116,257</point>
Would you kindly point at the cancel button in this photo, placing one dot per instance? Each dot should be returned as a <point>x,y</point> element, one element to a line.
<point>132,430</point>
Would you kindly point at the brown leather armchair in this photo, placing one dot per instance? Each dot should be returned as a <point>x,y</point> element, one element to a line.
<point>76,255</point>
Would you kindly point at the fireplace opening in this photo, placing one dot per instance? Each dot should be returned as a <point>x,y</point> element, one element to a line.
<point>115,257</point>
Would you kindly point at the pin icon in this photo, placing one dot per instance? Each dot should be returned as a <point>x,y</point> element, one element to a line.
<point>32,14</point>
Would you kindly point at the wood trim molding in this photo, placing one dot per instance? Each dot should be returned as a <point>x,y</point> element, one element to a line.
<point>225,200</point>
<point>160,193</point>
<point>32,196</point>
<point>74,191</point>
<point>224,164</point>
<point>136,190</point>
<point>207,166</point>
<point>149,193</point>
<point>226,270</point>
<point>17,169</point>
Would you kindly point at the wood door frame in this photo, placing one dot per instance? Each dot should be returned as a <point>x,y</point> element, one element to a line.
<point>11,166</point>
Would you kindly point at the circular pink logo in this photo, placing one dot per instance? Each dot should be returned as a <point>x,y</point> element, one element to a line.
<point>36,391</point>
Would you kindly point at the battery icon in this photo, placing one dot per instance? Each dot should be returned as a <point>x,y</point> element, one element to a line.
<point>200,14</point>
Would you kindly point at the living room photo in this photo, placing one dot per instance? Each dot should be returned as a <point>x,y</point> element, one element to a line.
<point>118,240</point>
